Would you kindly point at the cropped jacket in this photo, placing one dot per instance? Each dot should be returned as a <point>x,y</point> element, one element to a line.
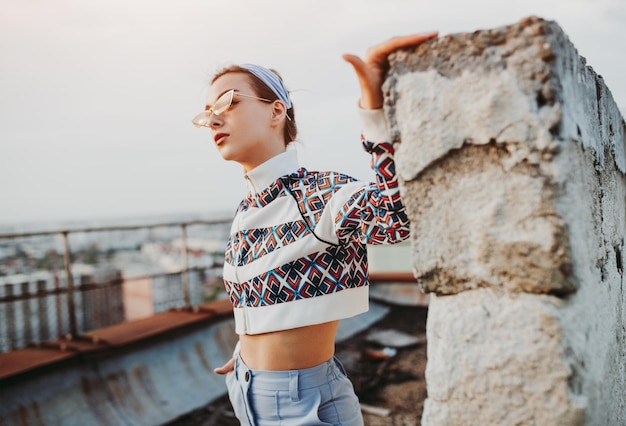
<point>296,254</point>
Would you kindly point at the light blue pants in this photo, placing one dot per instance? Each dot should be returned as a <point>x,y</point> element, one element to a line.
<point>321,395</point>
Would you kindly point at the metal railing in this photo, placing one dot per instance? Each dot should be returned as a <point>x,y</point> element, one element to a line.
<point>32,292</point>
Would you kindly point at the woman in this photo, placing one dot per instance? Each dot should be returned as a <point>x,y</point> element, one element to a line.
<point>296,261</point>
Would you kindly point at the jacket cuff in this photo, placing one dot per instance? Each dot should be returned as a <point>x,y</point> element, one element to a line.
<point>374,125</point>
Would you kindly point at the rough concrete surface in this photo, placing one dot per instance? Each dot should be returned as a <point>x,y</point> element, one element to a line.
<point>495,382</point>
<point>512,164</point>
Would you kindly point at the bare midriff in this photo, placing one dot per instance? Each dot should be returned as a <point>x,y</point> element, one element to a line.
<point>292,349</point>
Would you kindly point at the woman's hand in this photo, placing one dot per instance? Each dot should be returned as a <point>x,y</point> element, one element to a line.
<point>371,70</point>
<point>226,368</point>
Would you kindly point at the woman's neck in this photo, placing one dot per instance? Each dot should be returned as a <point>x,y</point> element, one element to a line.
<point>265,174</point>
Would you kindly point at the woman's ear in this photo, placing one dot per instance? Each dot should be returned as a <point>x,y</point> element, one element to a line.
<point>279,112</point>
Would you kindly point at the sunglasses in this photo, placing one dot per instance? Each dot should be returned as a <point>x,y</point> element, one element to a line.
<point>222,105</point>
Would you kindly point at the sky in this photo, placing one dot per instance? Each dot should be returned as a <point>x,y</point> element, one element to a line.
<point>96,98</point>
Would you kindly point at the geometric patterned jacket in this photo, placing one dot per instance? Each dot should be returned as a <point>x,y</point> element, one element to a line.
<point>296,254</point>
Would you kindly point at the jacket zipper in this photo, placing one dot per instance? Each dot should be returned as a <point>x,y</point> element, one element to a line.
<point>236,265</point>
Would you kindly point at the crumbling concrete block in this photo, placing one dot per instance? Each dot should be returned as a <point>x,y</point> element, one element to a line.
<point>513,372</point>
<point>513,169</point>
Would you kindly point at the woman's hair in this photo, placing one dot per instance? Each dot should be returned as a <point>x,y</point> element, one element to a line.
<point>290,130</point>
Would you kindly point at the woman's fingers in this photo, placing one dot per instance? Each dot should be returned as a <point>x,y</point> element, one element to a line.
<point>378,53</point>
<point>226,368</point>
<point>371,70</point>
<point>376,56</point>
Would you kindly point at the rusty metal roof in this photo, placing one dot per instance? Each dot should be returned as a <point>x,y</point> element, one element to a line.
<point>63,349</point>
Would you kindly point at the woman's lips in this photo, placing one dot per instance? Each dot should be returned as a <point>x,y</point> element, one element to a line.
<point>219,138</point>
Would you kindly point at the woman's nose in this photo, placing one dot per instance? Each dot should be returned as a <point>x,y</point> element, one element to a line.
<point>215,121</point>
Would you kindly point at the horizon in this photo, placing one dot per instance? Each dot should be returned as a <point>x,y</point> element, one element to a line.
<point>118,220</point>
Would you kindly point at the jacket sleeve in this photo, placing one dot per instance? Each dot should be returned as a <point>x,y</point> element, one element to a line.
<point>374,213</point>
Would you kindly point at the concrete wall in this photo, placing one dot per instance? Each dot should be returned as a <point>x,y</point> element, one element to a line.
<point>512,162</point>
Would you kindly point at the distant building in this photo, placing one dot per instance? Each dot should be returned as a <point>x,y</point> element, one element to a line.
<point>146,296</point>
<point>153,281</point>
<point>34,307</point>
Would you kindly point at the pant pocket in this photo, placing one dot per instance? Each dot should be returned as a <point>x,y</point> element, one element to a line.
<point>237,398</point>
<point>341,405</point>
<point>263,404</point>
<point>339,365</point>
<point>303,411</point>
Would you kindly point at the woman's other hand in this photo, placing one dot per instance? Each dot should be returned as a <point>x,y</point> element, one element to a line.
<point>226,368</point>
<point>371,70</point>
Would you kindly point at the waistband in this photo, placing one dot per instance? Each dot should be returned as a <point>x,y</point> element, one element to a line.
<point>285,380</point>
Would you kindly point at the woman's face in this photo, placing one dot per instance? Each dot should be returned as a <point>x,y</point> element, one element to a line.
<point>243,133</point>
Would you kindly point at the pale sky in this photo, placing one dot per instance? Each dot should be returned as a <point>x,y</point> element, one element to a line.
<point>96,98</point>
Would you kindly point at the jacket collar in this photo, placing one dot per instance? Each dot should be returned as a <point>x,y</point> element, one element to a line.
<point>267,173</point>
